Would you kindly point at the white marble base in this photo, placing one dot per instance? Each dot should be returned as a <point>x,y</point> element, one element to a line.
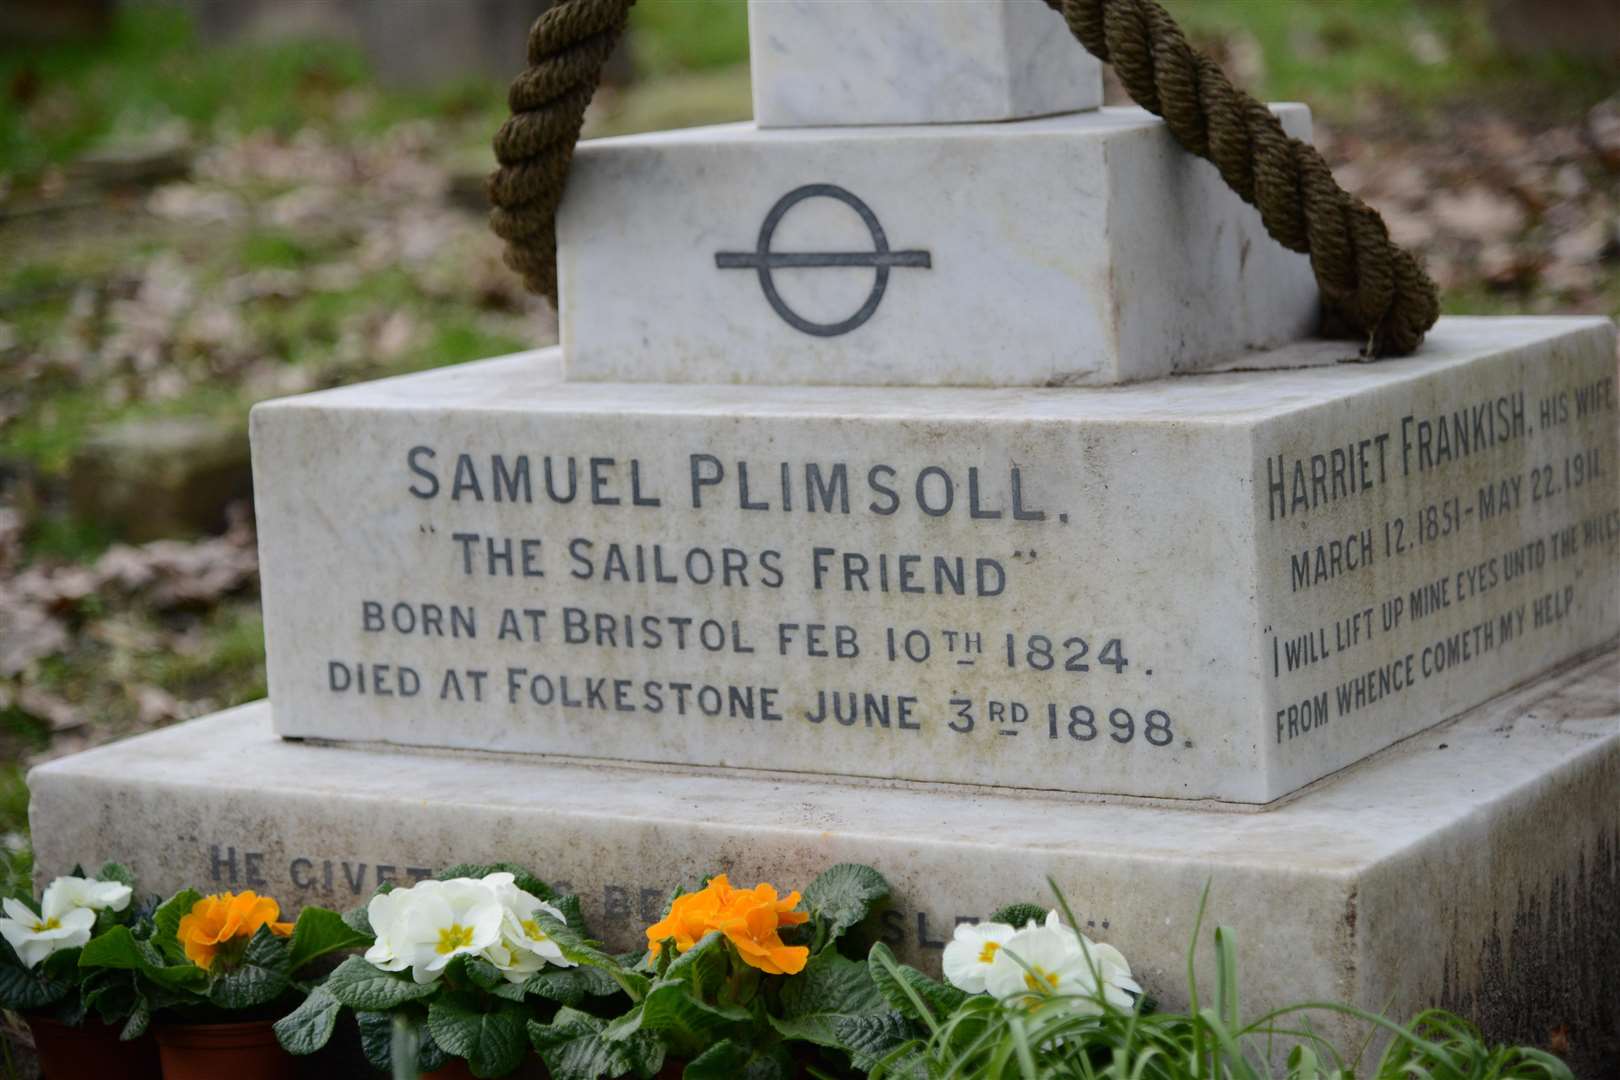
<point>1081,250</point>
<point>1473,868</point>
<point>822,62</point>
<point>1216,587</point>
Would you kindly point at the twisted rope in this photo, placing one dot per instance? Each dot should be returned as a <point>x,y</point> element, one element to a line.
<point>1372,289</point>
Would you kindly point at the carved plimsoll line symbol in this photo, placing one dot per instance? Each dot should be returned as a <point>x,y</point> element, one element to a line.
<point>763,260</point>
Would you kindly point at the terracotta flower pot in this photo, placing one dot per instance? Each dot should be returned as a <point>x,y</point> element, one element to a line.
<point>66,1052</point>
<point>247,1051</point>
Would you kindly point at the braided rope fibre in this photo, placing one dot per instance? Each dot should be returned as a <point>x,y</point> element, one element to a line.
<point>1372,289</point>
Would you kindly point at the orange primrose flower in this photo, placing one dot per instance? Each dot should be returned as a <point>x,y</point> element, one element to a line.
<point>224,917</point>
<point>751,919</point>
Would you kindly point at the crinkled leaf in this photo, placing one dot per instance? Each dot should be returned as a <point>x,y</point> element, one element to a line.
<point>845,894</point>
<point>573,1048</point>
<point>363,987</point>
<point>940,998</point>
<point>703,966</point>
<point>579,949</point>
<point>115,871</point>
<point>732,1060</point>
<point>24,990</point>
<point>831,983</point>
<point>309,1027</point>
<point>140,1018</point>
<point>319,932</point>
<point>833,1002</point>
<point>908,1061</point>
<point>869,1039</point>
<point>493,1042</point>
<point>484,975</point>
<point>571,986</point>
<point>377,1043</point>
<point>359,920</point>
<point>671,1010</point>
<point>118,948</point>
<point>1019,915</point>
<point>262,975</point>
<point>573,913</point>
<point>166,924</point>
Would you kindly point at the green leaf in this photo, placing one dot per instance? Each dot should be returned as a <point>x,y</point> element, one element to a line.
<point>572,912</point>
<point>573,1048</point>
<point>377,1043</point>
<point>118,948</point>
<point>359,920</point>
<point>673,1011</point>
<point>732,1060</point>
<point>579,949</point>
<point>703,966</point>
<point>831,1002</point>
<point>869,1039</point>
<point>940,998</point>
<point>262,975</point>
<point>114,871</point>
<point>23,990</point>
<point>319,932</point>
<point>831,982</point>
<point>309,1027</point>
<point>845,894</point>
<point>140,1018</point>
<point>365,988</point>
<point>492,1043</point>
<point>570,986</point>
<point>1018,916</point>
<point>166,925</point>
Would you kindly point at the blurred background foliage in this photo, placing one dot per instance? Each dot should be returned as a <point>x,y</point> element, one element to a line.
<point>190,224</point>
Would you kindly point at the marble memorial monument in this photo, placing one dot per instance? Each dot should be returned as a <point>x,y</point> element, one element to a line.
<point>965,497</point>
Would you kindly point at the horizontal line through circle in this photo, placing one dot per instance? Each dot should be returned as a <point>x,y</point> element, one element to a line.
<point>753,260</point>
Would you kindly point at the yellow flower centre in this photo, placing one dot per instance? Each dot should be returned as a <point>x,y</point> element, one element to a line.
<point>1033,979</point>
<point>531,927</point>
<point>453,937</point>
<point>48,924</point>
<point>988,953</point>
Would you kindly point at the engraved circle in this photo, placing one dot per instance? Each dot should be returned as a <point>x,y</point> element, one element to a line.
<point>763,260</point>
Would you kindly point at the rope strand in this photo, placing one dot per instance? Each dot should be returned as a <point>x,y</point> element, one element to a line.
<point>1372,289</point>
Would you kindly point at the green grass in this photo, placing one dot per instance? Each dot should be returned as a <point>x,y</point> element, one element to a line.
<point>1086,1037</point>
<point>669,36</point>
<point>1341,57</point>
<point>64,537</point>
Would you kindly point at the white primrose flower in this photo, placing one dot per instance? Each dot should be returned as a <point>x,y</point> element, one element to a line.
<point>427,925</point>
<point>67,893</point>
<point>1058,959</point>
<point>971,952</point>
<point>1105,960</point>
<point>34,937</point>
<point>66,919</point>
<point>1038,960</point>
<point>524,947</point>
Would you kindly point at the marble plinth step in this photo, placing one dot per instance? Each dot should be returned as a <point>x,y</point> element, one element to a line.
<point>1221,587</point>
<point>820,62</point>
<point>1075,250</point>
<point>1473,868</point>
